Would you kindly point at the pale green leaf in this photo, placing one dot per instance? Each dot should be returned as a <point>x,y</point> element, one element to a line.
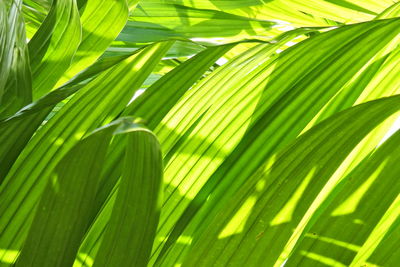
<point>101,22</point>
<point>152,22</point>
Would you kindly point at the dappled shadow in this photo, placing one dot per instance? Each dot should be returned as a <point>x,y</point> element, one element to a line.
<point>309,94</point>
<point>275,224</point>
<point>193,24</point>
<point>352,215</point>
<point>259,224</point>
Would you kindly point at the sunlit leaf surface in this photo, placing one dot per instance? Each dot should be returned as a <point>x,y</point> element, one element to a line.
<point>199,133</point>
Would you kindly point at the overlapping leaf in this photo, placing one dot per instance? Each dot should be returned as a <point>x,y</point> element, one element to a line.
<point>15,76</point>
<point>152,22</point>
<point>256,226</point>
<point>53,46</point>
<point>151,109</point>
<point>98,103</point>
<point>70,194</point>
<point>299,13</point>
<point>101,23</point>
<point>348,229</point>
<point>290,100</point>
<point>260,168</point>
<point>131,230</point>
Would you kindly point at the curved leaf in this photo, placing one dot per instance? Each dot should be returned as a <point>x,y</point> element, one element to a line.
<point>370,185</point>
<point>298,84</point>
<point>282,197</point>
<point>15,76</point>
<point>101,22</point>
<point>130,232</point>
<point>53,46</point>
<point>99,102</point>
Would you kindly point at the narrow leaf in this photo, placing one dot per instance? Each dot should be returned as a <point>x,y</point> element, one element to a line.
<point>131,230</point>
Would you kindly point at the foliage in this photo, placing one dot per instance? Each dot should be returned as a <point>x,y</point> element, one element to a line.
<point>199,133</point>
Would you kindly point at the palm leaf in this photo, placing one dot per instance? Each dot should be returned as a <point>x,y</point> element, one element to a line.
<point>199,133</point>
<point>15,84</point>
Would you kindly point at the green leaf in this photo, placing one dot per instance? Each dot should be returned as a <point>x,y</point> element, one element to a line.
<point>286,93</point>
<point>34,12</point>
<point>53,46</point>
<point>15,76</point>
<point>298,13</point>
<point>255,227</point>
<point>391,12</point>
<point>101,23</point>
<point>151,109</point>
<point>61,217</point>
<point>16,131</point>
<point>6,44</point>
<point>131,230</point>
<point>98,103</point>
<point>273,143</point>
<point>349,207</point>
<point>152,22</point>
<point>69,196</point>
<point>382,245</point>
